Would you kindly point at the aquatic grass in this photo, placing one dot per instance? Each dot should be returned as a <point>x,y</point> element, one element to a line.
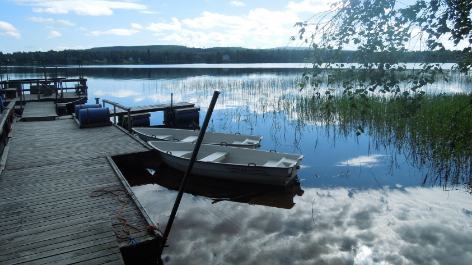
<point>437,137</point>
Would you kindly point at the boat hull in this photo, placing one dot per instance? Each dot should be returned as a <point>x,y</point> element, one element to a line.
<point>236,166</point>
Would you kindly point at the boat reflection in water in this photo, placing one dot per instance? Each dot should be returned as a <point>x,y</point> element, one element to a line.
<point>221,190</point>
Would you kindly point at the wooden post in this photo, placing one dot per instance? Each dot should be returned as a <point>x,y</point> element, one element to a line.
<point>188,171</point>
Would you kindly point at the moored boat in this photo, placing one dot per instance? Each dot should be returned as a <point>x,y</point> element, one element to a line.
<point>226,162</point>
<point>190,136</point>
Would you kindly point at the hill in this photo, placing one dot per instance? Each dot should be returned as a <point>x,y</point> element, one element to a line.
<point>164,48</point>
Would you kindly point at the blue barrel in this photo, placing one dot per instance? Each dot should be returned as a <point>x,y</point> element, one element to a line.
<point>94,115</point>
<point>85,106</point>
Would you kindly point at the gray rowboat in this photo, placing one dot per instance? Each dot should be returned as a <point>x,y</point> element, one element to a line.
<point>190,136</point>
<point>231,163</point>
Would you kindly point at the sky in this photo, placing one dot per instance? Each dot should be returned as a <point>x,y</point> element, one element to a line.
<point>42,25</point>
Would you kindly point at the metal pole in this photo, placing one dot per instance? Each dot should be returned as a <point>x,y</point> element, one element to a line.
<point>22,97</point>
<point>187,172</point>
<point>55,88</point>
<point>129,120</point>
<point>44,68</point>
<point>39,89</point>
<point>114,112</point>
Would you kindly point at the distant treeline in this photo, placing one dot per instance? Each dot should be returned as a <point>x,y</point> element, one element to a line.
<point>172,54</point>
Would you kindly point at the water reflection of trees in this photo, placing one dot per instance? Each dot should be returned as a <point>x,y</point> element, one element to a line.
<point>130,72</point>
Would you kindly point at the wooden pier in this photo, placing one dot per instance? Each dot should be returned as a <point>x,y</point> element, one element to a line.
<point>50,168</point>
<point>149,108</point>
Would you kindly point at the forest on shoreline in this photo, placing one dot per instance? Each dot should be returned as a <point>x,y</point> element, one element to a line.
<point>174,54</point>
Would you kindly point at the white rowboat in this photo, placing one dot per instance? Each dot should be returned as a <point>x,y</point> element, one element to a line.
<point>190,136</point>
<point>225,162</point>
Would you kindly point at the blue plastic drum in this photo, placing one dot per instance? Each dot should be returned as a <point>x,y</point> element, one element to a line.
<point>94,115</point>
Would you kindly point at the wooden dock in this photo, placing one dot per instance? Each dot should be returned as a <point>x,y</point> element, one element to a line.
<point>150,108</point>
<point>47,213</point>
<point>39,111</point>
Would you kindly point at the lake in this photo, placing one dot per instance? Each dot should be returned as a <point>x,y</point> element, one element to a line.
<point>358,201</point>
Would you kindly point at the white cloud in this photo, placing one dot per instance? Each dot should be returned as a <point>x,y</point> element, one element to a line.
<point>51,21</point>
<point>211,20</point>
<point>158,27</point>
<point>201,39</point>
<point>260,25</point>
<point>119,32</point>
<point>41,20</point>
<point>312,6</point>
<point>9,30</point>
<point>65,22</point>
<point>149,12</point>
<point>54,34</point>
<point>12,34</point>
<point>81,7</point>
<point>136,26</point>
<point>365,161</point>
<point>238,3</point>
<point>7,26</point>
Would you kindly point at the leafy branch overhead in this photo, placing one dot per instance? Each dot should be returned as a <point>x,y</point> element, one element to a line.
<point>380,33</point>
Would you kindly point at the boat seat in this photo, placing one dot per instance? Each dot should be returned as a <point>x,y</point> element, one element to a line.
<point>273,163</point>
<point>215,157</point>
<point>164,137</point>
<point>247,141</point>
<point>189,139</point>
<point>184,154</point>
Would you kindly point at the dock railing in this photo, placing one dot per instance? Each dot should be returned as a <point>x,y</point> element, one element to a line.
<point>117,105</point>
<point>6,119</point>
<point>44,88</point>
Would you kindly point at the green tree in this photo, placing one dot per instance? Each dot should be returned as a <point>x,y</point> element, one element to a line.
<point>381,32</point>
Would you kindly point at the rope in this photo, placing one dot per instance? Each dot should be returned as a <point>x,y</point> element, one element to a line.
<point>125,223</point>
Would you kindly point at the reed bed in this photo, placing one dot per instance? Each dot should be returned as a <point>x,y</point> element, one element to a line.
<point>437,137</point>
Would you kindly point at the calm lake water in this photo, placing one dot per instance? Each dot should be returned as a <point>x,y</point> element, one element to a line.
<point>357,203</point>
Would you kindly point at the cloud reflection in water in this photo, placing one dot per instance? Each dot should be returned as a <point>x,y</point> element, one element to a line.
<point>326,226</point>
<point>362,161</point>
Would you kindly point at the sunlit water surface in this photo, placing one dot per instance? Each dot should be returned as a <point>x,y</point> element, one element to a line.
<point>359,203</point>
